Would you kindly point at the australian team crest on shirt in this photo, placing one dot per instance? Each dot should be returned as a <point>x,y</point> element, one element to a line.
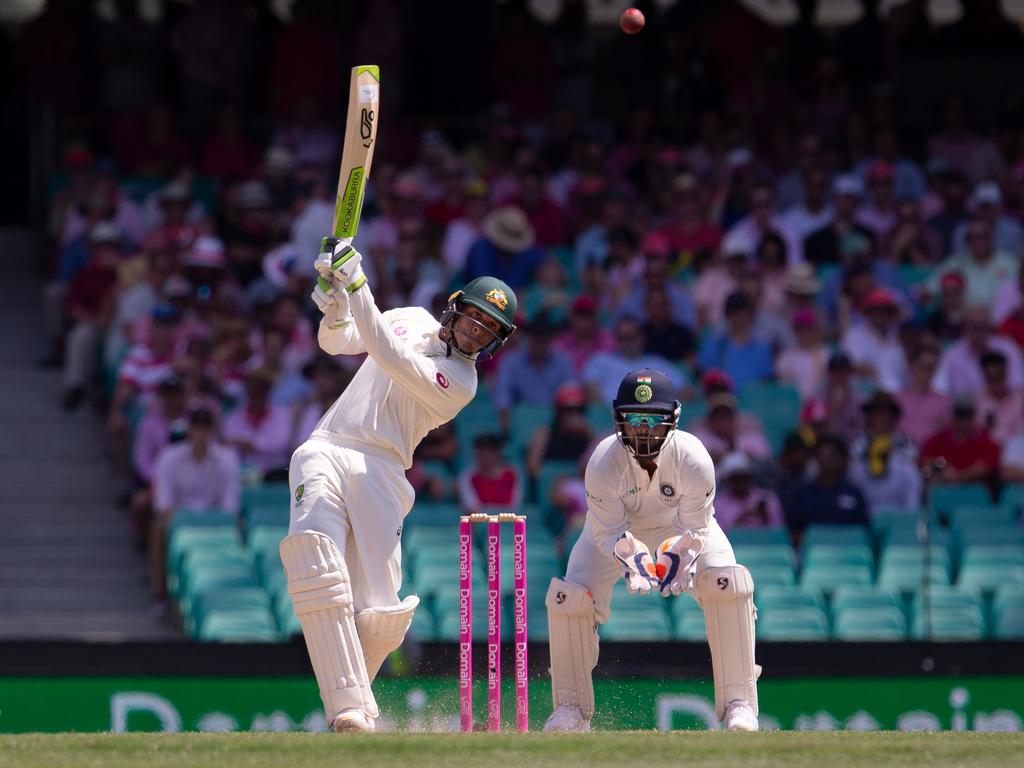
<point>298,494</point>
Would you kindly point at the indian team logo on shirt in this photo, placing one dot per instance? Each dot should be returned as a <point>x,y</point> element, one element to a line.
<point>668,490</point>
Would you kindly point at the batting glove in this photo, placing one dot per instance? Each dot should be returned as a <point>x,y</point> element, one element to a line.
<point>639,573</point>
<point>677,563</point>
<point>340,265</point>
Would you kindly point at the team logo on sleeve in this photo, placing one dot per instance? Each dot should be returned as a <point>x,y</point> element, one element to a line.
<point>442,380</point>
<point>497,297</point>
<point>668,490</point>
<point>298,493</point>
<point>643,393</point>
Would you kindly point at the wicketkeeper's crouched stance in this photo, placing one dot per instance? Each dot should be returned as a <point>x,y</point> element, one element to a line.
<point>342,557</point>
<point>650,488</point>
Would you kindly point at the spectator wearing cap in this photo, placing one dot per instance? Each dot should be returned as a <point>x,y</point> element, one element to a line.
<point>959,373</point>
<point>967,452</point>
<point>986,204</point>
<point>491,482</point>
<point>663,336</point>
<point>815,212</point>
<point>924,411</point>
<point>724,430</point>
<point>984,266</point>
<point>842,403</point>
<point>687,228</point>
<point>605,370</point>
<point>196,474</point>
<point>884,459</point>
<point>656,275</point>
<point>507,250</point>
<point>721,278</point>
<point>803,365</point>
<point>569,436</point>
<point>584,337</point>
<point>874,346</point>
<point>946,321</point>
<point>830,498</point>
<point>879,213</point>
<point>260,431</point>
<point>736,350</point>
<point>909,181</point>
<point>740,502</point>
<point>464,230</point>
<point>87,304</point>
<point>1000,407</point>
<point>763,219</point>
<point>844,235</point>
<point>531,374</point>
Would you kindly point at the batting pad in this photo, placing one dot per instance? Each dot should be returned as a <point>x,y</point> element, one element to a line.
<point>382,630</point>
<point>321,593</point>
<point>572,641</point>
<point>727,596</point>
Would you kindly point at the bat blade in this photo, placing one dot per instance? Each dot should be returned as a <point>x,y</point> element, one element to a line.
<point>357,154</point>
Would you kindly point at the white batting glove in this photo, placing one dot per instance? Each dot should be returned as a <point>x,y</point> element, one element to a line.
<point>340,264</point>
<point>323,295</point>
<point>677,563</point>
<point>639,573</point>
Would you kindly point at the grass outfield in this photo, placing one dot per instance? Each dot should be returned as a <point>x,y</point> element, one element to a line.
<point>695,748</point>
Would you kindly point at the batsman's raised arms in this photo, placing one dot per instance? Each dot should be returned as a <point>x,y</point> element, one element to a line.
<point>357,154</point>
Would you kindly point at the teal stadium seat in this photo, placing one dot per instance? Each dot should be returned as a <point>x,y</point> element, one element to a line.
<point>944,499</point>
<point>948,615</point>
<point>776,405</point>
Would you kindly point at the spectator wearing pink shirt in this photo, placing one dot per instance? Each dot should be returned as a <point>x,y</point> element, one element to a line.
<point>1000,407</point>
<point>925,411</point>
<point>804,365</point>
<point>739,502</point>
<point>261,432</point>
<point>959,372</point>
<point>584,337</point>
<point>723,431</point>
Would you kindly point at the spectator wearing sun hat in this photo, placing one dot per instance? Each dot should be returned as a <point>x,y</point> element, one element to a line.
<point>873,346</point>
<point>739,501</point>
<point>507,250</point>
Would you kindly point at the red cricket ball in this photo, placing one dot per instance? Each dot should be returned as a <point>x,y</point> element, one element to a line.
<point>631,21</point>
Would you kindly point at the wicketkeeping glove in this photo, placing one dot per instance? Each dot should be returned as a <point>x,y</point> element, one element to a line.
<point>677,562</point>
<point>640,573</point>
<point>339,265</point>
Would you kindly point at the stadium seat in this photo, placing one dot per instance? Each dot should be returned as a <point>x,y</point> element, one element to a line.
<point>908,576</point>
<point>821,555</point>
<point>268,495</point>
<point>989,576</point>
<point>1009,625</point>
<point>222,600</point>
<point>422,624</point>
<point>829,576</point>
<point>801,623</point>
<point>627,626</point>
<point>550,473</point>
<point>741,536</point>
<point>525,419</point>
<point>886,520</point>
<point>948,614</point>
<point>765,574</point>
<point>265,538</point>
<point>836,534</point>
<point>943,499</point>
<point>767,598</point>
<point>885,624</point>
<point>690,626</point>
<point>183,518</point>
<point>776,405</point>
<point>239,626</point>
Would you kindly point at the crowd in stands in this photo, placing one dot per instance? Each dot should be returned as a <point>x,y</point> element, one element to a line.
<point>870,294</point>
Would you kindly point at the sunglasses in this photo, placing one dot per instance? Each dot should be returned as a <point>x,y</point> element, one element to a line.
<point>649,420</point>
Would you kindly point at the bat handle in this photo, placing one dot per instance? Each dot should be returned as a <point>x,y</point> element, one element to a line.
<point>324,259</point>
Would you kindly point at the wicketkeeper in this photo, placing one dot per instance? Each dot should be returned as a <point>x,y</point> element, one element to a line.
<point>342,557</point>
<point>651,488</point>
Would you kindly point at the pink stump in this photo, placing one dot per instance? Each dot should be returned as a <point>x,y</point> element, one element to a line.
<point>465,625</point>
<point>493,625</point>
<point>519,611</point>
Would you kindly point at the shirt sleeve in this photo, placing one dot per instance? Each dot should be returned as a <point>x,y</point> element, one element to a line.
<point>339,335</point>
<point>697,500</point>
<point>606,513</point>
<point>434,382</point>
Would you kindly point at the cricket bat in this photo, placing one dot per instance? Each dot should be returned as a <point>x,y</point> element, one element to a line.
<point>356,155</point>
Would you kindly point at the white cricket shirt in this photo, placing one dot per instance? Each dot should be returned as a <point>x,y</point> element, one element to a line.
<point>621,496</point>
<point>406,387</point>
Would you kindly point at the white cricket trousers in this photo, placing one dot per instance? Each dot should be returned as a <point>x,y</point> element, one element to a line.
<point>358,495</point>
<point>592,569</point>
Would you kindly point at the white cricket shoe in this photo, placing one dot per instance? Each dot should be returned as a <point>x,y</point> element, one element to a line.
<point>567,719</point>
<point>739,716</point>
<point>352,721</point>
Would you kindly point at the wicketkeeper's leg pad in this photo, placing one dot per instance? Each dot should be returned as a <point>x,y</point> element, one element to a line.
<point>382,630</point>
<point>572,643</point>
<point>321,593</point>
<point>727,596</point>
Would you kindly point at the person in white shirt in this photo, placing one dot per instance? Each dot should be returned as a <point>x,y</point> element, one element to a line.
<point>650,487</point>
<point>349,495</point>
<point>196,474</point>
<point>959,373</point>
<point>874,345</point>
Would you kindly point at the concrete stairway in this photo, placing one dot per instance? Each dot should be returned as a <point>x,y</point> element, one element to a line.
<point>68,568</point>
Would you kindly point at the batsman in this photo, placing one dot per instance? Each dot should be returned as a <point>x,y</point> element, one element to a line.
<point>342,556</point>
<point>650,487</point>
